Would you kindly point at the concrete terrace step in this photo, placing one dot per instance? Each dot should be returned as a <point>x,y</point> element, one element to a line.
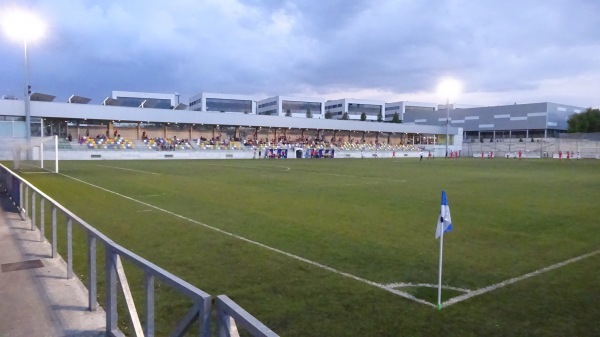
<point>36,298</point>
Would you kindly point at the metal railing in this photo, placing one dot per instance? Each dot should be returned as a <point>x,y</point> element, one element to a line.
<point>22,193</point>
<point>228,309</point>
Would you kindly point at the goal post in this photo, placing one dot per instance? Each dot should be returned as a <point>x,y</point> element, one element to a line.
<point>36,155</point>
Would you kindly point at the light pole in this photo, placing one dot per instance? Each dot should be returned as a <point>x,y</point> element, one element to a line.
<point>447,122</point>
<point>448,88</point>
<point>24,26</point>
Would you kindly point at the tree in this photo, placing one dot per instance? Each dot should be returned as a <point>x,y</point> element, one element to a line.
<point>345,116</point>
<point>328,115</point>
<point>587,121</point>
<point>396,118</point>
<point>309,113</point>
<point>363,116</point>
<point>379,116</point>
<point>288,113</point>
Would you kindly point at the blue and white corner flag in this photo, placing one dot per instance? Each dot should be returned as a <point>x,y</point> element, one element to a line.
<point>444,225</point>
<point>444,221</point>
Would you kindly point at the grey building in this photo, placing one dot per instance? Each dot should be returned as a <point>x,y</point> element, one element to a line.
<point>524,121</point>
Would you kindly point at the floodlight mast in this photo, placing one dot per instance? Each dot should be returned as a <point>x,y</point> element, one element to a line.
<point>24,26</point>
<point>447,122</point>
<point>449,88</point>
<point>27,96</point>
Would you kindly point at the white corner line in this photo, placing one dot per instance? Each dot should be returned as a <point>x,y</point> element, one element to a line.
<point>296,257</point>
<point>127,169</point>
<point>484,290</point>
<point>426,285</point>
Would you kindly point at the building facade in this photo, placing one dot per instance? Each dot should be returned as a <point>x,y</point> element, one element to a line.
<point>291,106</point>
<point>354,108</point>
<point>533,120</point>
<point>400,108</point>
<point>225,103</point>
<point>145,100</point>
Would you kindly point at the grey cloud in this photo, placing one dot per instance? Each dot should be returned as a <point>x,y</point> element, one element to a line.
<point>274,47</point>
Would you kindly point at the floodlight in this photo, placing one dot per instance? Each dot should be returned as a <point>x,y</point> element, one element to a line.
<point>449,88</point>
<point>23,26</point>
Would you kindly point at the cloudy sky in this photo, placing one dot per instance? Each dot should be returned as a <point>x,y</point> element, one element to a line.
<point>503,51</point>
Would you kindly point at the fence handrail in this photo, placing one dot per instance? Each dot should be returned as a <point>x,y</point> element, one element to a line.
<point>226,308</point>
<point>202,307</point>
<point>141,262</point>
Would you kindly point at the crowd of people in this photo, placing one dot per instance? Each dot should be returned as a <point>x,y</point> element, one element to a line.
<point>323,143</point>
<point>167,144</point>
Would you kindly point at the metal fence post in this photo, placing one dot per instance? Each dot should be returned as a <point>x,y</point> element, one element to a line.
<point>26,202</point>
<point>42,220</point>
<point>149,288</point>
<point>54,250</point>
<point>70,248</point>
<point>110,269</point>
<point>21,193</point>
<point>224,324</point>
<point>92,276</point>
<point>32,210</point>
<point>204,317</point>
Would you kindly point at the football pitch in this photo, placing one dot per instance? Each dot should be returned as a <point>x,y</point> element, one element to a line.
<point>346,247</point>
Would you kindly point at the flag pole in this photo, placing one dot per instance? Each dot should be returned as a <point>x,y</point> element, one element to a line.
<point>440,274</point>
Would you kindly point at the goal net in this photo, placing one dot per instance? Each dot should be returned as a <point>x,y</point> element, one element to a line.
<point>36,155</point>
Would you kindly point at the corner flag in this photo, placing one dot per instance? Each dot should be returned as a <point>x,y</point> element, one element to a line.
<point>445,221</point>
<point>444,225</point>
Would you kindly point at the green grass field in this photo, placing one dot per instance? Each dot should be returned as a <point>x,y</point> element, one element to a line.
<point>374,219</point>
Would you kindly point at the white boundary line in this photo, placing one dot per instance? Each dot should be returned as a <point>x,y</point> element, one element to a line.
<point>359,184</point>
<point>351,176</point>
<point>426,285</point>
<point>285,168</point>
<point>313,263</point>
<point>128,169</point>
<point>484,290</point>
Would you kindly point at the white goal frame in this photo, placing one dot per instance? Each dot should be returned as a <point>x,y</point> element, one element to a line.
<point>29,150</point>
